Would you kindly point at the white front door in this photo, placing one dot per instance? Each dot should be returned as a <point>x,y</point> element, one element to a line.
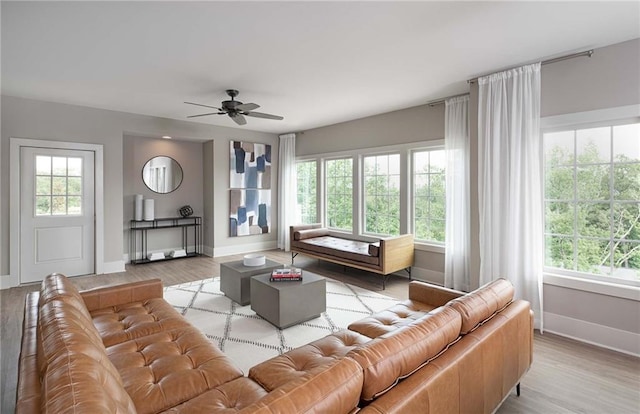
<point>57,206</point>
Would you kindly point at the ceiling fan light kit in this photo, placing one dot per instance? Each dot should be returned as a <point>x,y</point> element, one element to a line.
<point>235,110</point>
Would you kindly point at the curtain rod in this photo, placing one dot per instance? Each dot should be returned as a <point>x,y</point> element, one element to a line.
<point>442,100</point>
<point>587,53</point>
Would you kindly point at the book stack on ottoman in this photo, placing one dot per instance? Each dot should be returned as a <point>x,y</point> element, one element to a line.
<point>291,274</point>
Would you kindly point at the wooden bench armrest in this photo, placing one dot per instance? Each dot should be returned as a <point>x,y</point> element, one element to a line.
<point>396,253</point>
<point>104,297</point>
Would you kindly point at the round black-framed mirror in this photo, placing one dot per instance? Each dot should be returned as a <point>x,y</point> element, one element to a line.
<point>162,174</point>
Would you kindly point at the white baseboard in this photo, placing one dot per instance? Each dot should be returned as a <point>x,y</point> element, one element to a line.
<point>244,248</point>
<point>426,275</point>
<point>6,282</point>
<point>114,267</point>
<point>592,333</point>
<point>207,251</point>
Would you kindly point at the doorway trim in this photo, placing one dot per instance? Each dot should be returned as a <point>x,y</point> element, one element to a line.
<point>14,205</point>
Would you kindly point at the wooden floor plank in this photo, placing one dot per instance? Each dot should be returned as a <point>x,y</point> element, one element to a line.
<point>566,377</point>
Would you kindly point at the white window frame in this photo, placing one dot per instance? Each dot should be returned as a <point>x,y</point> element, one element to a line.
<point>579,280</point>
<point>318,167</point>
<point>324,199</point>
<point>363,210</point>
<point>433,243</point>
<point>406,186</point>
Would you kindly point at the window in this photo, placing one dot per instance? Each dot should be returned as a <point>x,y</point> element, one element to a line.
<point>429,195</point>
<point>592,207</point>
<point>306,211</point>
<point>58,186</point>
<point>382,194</point>
<point>339,193</point>
<point>382,191</point>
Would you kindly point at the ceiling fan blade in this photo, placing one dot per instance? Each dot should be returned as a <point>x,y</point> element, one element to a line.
<point>247,107</point>
<point>212,113</point>
<point>206,106</point>
<point>238,119</point>
<point>262,115</point>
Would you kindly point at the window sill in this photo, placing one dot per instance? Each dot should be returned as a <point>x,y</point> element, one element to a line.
<point>593,286</point>
<point>425,247</point>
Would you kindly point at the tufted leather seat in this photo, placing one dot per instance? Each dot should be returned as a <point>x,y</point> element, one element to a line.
<point>277,371</point>
<point>388,320</point>
<point>123,349</point>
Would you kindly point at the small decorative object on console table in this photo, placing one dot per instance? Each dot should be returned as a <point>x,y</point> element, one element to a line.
<point>185,211</point>
<point>191,238</point>
<point>292,274</point>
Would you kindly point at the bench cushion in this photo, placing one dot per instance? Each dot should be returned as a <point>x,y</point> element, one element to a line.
<point>338,247</point>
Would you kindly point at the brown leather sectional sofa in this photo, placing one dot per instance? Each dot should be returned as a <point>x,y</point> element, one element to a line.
<point>384,256</point>
<point>123,349</point>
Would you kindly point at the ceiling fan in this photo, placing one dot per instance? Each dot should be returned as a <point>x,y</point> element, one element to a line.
<point>236,110</point>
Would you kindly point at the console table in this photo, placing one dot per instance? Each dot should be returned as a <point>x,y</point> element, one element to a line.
<point>138,230</point>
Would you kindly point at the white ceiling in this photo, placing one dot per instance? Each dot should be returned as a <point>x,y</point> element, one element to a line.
<point>315,63</point>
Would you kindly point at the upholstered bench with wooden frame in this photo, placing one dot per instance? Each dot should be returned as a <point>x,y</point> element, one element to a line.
<point>385,256</point>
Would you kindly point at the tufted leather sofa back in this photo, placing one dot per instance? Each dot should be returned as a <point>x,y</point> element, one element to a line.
<point>75,371</point>
<point>480,305</point>
<point>397,354</point>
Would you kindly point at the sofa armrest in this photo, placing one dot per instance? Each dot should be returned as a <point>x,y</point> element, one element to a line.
<point>431,294</point>
<point>108,296</point>
<point>396,253</point>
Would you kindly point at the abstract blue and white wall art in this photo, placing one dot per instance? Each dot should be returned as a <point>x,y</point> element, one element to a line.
<point>249,212</point>
<point>250,165</point>
<point>250,189</point>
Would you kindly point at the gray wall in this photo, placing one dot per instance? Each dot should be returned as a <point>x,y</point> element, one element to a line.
<point>136,152</point>
<point>25,118</point>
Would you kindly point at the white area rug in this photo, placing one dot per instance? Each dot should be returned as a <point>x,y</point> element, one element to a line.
<point>247,338</point>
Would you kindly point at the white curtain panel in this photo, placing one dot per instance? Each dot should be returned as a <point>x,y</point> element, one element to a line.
<point>510,182</point>
<point>286,188</point>
<point>456,144</point>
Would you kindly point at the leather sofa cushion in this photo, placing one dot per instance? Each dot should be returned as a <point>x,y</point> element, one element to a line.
<point>309,233</point>
<point>122,323</point>
<point>398,354</point>
<point>338,247</point>
<point>279,370</point>
<point>229,397</point>
<point>77,383</point>
<point>166,369</point>
<point>76,373</point>
<point>330,389</point>
<point>390,319</point>
<point>480,305</point>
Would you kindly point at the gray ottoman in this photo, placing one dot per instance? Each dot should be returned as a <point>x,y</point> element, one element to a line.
<point>235,277</point>
<point>288,303</point>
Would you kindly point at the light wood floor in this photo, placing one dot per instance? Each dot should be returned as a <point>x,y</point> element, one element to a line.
<point>566,376</point>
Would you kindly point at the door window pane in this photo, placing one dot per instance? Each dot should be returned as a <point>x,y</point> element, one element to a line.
<point>58,189</point>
